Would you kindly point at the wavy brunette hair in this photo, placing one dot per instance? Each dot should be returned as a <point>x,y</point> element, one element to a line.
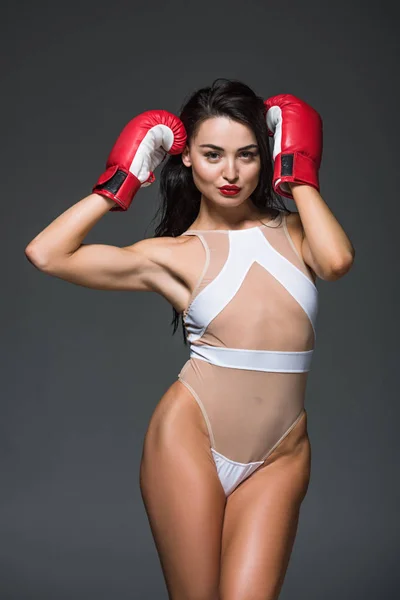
<point>180,199</point>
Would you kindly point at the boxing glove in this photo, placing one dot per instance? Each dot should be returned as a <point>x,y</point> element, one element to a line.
<point>297,145</point>
<point>141,146</point>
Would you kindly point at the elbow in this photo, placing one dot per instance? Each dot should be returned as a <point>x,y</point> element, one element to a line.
<point>340,267</point>
<point>346,262</point>
<point>35,257</point>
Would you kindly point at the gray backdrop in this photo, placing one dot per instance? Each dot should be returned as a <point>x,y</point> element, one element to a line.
<point>82,370</point>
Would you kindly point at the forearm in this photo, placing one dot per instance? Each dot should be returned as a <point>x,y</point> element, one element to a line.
<point>65,234</point>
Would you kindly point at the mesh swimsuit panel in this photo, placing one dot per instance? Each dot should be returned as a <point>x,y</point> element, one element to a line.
<point>251,328</point>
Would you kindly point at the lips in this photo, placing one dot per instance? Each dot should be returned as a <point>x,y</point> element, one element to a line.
<point>230,188</point>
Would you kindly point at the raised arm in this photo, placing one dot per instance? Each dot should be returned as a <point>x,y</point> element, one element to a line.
<point>59,249</point>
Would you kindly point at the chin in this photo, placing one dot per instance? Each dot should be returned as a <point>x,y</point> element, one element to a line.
<point>226,201</point>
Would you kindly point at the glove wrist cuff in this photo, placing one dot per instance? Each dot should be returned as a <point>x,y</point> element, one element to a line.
<point>119,185</point>
<point>294,167</point>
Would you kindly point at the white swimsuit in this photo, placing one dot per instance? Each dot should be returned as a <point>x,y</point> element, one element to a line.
<point>251,327</point>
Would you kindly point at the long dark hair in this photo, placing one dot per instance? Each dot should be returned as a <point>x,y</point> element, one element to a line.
<point>180,199</point>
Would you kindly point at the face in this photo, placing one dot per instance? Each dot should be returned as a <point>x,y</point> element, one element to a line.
<point>224,152</point>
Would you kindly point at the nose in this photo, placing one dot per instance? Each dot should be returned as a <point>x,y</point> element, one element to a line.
<point>230,171</point>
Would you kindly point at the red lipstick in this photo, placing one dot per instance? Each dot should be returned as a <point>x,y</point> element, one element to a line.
<point>229,190</point>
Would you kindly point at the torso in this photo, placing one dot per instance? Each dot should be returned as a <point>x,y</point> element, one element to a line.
<point>249,308</point>
<point>182,260</point>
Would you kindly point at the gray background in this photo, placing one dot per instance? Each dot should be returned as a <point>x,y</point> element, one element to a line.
<point>82,370</point>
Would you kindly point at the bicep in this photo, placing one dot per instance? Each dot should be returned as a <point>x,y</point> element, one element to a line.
<point>299,239</point>
<point>308,258</point>
<point>105,267</point>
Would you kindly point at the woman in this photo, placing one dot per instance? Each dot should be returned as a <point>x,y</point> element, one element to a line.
<point>226,458</point>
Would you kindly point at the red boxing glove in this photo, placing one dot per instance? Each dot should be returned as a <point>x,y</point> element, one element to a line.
<point>141,146</point>
<point>297,147</point>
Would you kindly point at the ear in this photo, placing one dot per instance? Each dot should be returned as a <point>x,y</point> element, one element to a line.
<point>186,157</point>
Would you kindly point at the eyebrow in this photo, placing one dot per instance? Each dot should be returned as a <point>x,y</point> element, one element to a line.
<point>219,147</point>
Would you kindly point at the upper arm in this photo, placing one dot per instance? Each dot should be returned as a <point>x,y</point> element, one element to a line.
<point>306,253</point>
<point>299,239</point>
<point>107,267</point>
<point>309,259</point>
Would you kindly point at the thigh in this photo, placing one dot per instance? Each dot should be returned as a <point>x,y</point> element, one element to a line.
<point>183,497</point>
<point>261,520</point>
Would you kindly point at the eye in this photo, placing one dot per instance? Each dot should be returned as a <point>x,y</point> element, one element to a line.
<point>246,153</point>
<point>249,154</point>
<point>211,154</point>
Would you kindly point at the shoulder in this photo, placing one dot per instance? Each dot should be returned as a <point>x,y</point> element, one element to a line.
<point>173,266</point>
<point>174,256</point>
<point>157,249</point>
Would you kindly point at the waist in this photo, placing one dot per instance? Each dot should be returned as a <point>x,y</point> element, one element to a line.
<point>255,360</point>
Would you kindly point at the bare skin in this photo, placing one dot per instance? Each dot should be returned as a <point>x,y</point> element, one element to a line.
<point>210,547</point>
